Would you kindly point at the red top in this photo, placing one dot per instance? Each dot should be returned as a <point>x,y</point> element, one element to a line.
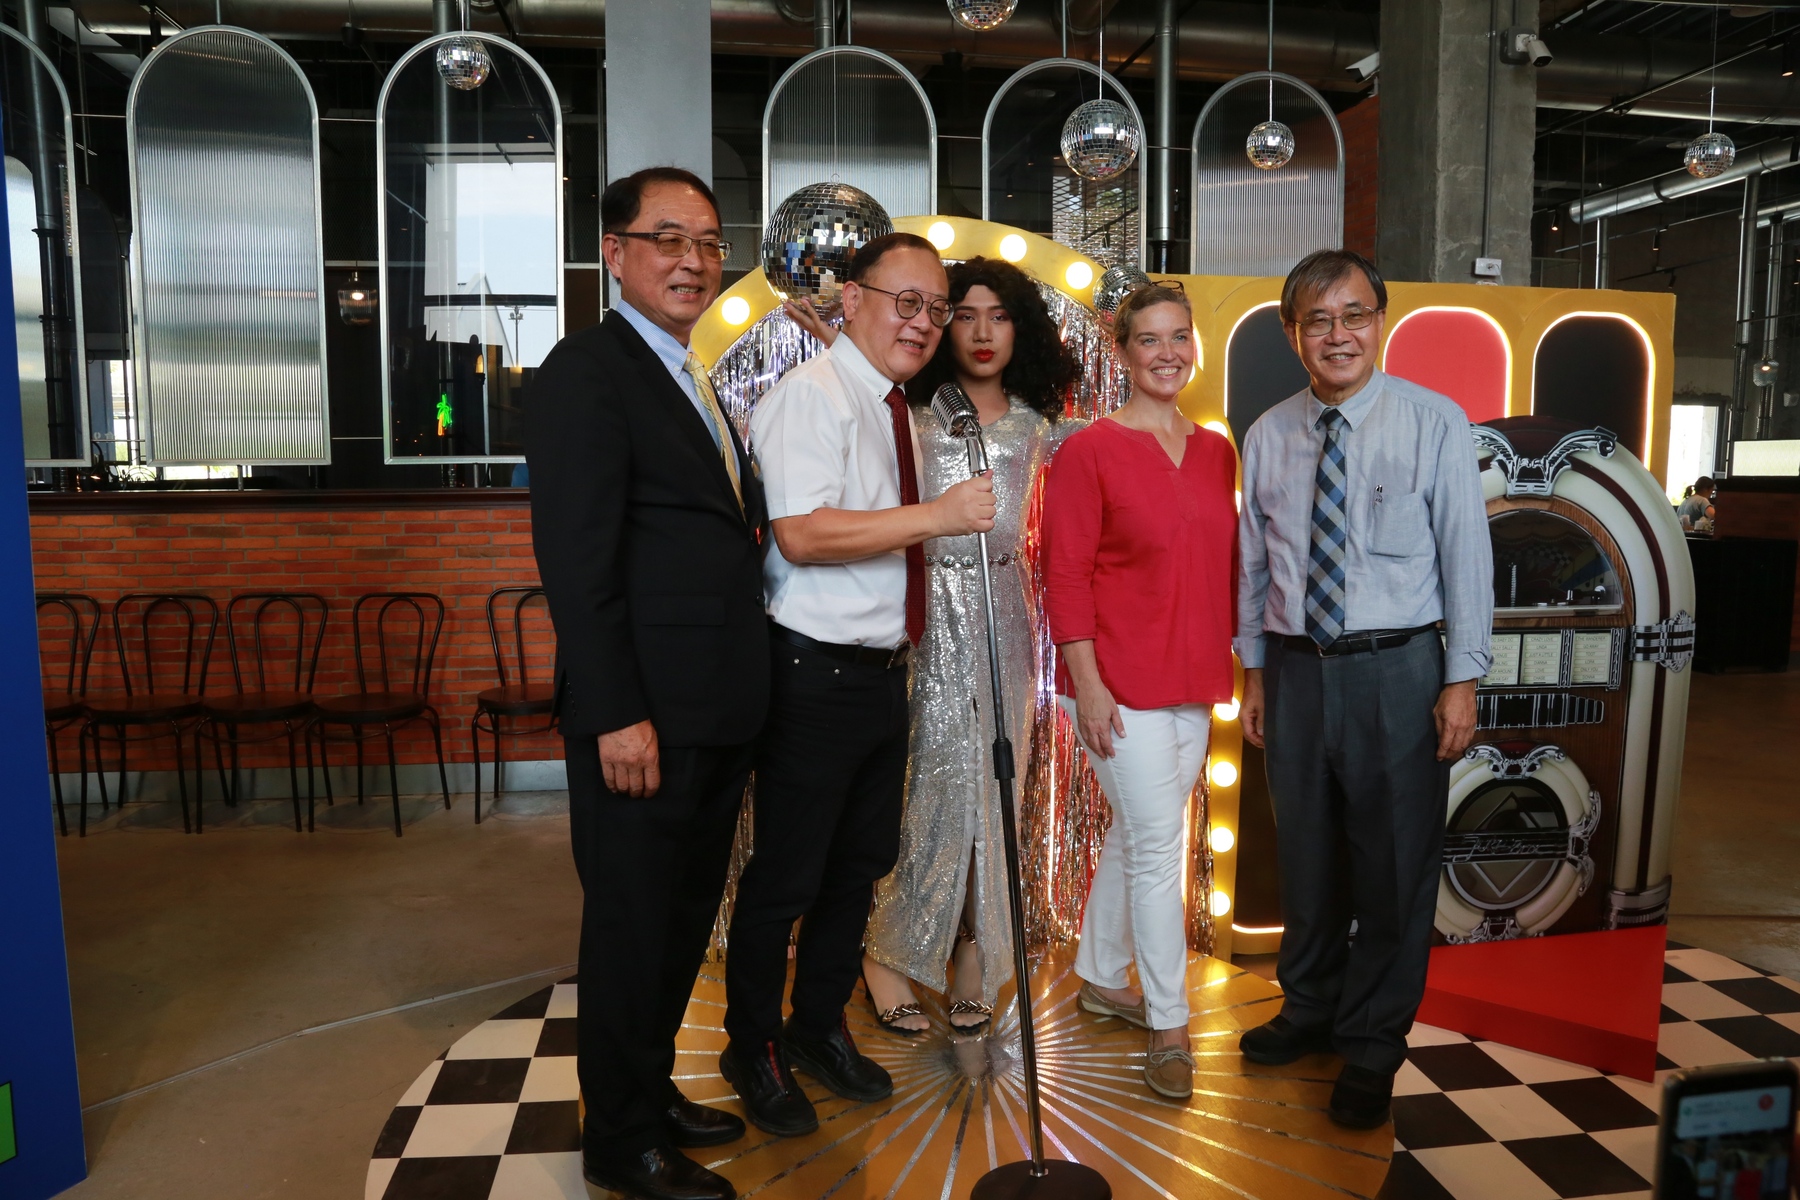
<point>1141,557</point>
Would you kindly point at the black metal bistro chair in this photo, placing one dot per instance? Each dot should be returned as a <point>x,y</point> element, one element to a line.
<point>274,640</point>
<point>172,635</point>
<point>392,684</point>
<point>516,702</point>
<point>66,677</point>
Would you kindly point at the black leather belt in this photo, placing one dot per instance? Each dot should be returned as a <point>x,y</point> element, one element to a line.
<point>1362,641</point>
<point>867,656</point>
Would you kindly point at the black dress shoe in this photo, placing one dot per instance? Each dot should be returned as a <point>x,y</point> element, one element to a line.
<point>1279,1042</point>
<point>835,1062</point>
<point>660,1173</point>
<point>772,1100</point>
<point>694,1125</point>
<point>1362,1098</point>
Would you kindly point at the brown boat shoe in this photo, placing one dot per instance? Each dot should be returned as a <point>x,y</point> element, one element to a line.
<point>1170,1072</point>
<point>1134,1014</point>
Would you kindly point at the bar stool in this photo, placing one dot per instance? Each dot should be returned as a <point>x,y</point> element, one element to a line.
<point>510,701</point>
<point>400,691</point>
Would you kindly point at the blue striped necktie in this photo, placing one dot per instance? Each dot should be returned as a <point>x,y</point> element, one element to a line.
<point>1325,573</point>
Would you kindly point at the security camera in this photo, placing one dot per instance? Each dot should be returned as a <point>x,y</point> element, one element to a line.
<point>1363,68</point>
<point>1521,44</point>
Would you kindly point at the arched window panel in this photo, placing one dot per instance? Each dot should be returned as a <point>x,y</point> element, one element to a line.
<point>1459,352</point>
<point>470,192</point>
<point>1261,368</point>
<point>1024,181</point>
<point>1248,221</point>
<point>45,245</point>
<point>230,267</point>
<point>1593,369</point>
<point>851,115</point>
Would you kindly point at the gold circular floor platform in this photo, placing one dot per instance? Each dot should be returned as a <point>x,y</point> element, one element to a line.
<point>958,1107</point>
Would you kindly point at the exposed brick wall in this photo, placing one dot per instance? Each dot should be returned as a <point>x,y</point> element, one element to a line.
<point>461,550</point>
<point>1362,138</point>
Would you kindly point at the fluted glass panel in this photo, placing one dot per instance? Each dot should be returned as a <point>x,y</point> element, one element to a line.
<point>46,264</point>
<point>1250,221</point>
<point>851,116</point>
<point>471,260</point>
<point>230,269</point>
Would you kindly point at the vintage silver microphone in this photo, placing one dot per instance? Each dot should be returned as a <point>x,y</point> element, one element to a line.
<point>1040,1178</point>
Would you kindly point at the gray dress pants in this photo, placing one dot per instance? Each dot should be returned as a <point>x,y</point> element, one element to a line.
<point>1360,803</point>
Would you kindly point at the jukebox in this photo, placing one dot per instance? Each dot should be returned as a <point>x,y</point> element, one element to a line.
<point>1560,815</point>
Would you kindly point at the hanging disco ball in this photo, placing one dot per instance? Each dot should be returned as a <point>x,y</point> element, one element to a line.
<point>1709,155</point>
<point>1270,145</point>
<point>1115,284</point>
<point>811,237</point>
<point>981,15</point>
<point>464,63</point>
<point>1100,139</point>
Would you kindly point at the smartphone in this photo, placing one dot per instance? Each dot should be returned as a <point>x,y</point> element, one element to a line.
<point>1727,1132</point>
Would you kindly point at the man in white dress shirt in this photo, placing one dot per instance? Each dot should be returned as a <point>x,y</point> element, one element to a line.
<point>845,581</point>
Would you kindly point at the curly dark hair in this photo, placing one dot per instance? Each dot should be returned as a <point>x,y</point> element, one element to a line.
<point>1041,371</point>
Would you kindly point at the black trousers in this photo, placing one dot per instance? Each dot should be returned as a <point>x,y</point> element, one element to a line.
<point>830,773</point>
<point>652,872</point>
<point>1360,803</point>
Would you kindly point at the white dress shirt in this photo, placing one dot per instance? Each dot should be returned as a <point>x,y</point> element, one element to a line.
<point>673,355</point>
<point>1418,548</point>
<point>824,438</point>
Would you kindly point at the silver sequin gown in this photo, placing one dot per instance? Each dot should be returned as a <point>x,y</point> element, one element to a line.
<point>952,810</point>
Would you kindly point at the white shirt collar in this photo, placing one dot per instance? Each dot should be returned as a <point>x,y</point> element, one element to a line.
<point>850,359</point>
<point>672,353</point>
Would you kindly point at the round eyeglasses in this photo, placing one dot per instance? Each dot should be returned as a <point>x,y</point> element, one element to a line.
<point>911,303</point>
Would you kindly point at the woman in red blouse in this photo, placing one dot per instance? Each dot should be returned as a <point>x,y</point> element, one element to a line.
<point>1140,534</point>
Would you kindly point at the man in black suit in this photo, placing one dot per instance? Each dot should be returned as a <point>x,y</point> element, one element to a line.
<point>646,519</point>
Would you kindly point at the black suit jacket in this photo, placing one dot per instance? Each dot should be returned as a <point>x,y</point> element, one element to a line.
<point>653,575</point>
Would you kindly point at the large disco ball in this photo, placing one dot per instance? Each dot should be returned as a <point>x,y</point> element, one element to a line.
<point>1100,139</point>
<point>1115,284</point>
<point>811,237</point>
<point>1708,155</point>
<point>1270,145</point>
<point>464,63</point>
<point>981,15</point>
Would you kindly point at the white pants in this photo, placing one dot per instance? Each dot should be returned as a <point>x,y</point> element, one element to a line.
<point>1134,908</point>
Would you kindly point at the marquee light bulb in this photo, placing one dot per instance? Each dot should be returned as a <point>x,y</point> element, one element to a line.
<point>1222,840</point>
<point>735,310</point>
<point>1221,903</point>
<point>941,235</point>
<point>1079,274</point>
<point>1224,774</point>
<point>1227,711</point>
<point>1012,247</point>
<point>1219,427</point>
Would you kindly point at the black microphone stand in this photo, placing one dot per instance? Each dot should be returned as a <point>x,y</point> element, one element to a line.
<point>1038,1178</point>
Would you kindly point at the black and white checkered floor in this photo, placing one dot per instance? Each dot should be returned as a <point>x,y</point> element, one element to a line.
<point>495,1118</point>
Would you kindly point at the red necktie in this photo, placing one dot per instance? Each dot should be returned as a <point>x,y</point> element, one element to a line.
<point>909,494</point>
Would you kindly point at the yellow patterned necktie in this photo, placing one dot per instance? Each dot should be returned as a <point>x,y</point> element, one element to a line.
<point>704,389</point>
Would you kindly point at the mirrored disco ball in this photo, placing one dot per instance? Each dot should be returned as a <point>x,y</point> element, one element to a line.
<point>1100,139</point>
<point>981,15</point>
<point>1270,145</point>
<point>464,63</point>
<point>811,237</point>
<point>1115,284</point>
<point>1708,155</point>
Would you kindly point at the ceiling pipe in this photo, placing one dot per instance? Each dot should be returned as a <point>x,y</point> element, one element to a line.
<point>824,24</point>
<point>1773,156</point>
<point>1162,150</point>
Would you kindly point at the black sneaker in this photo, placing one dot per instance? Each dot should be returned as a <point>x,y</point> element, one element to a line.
<point>772,1100</point>
<point>1362,1098</point>
<point>1278,1042</point>
<point>835,1062</point>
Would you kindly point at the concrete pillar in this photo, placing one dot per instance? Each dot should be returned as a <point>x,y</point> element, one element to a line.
<point>1446,168</point>
<point>658,86</point>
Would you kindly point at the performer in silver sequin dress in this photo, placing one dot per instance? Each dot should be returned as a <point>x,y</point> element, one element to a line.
<point>951,874</point>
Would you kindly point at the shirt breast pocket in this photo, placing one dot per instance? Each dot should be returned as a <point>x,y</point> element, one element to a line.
<point>1402,526</point>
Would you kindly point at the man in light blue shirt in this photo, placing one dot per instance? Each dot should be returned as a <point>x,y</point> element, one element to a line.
<point>1362,527</point>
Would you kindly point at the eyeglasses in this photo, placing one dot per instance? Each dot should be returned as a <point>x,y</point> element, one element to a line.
<point>911,303</point>
<point>1351,318</point>
<point>677,245</point>
<point>1174,285</point>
